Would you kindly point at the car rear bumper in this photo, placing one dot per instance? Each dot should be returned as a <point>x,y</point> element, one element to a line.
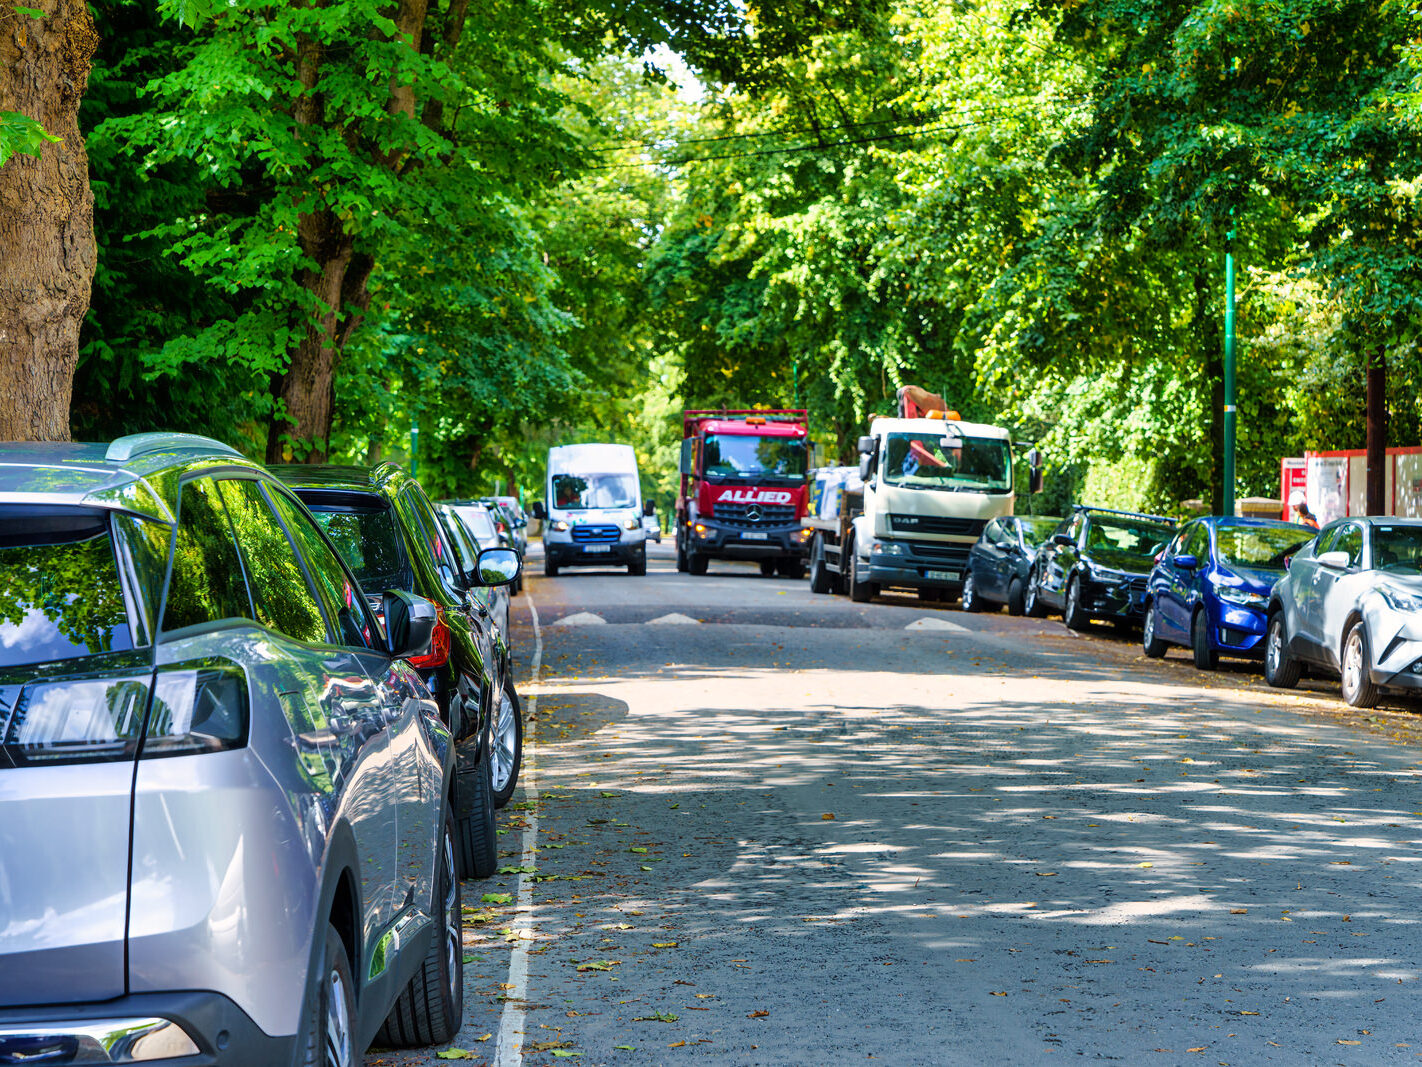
<point>100,1033</point>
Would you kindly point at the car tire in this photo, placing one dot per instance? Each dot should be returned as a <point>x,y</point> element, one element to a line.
<point>507,745</point>
<point>1206,658</point>
<point>819,575</point>
<point>1032,605</point>
<point>476,843</point>
<point>1151,643</point>
<point>696,562</point>
<point>767,568</point>
<point>329,1038</point>
<point>1280,669</point>
<point>429,1010</point>
<point>1359,690</point>
<point>860,592</point>
<point>794,569</point>
<point>1073,614</point>
<point>1016,597</point>
<point>971,602</point>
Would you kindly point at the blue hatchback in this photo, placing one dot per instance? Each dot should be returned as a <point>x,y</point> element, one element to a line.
<point>1210,587</point>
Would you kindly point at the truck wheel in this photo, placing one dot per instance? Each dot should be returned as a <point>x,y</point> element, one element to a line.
<point>680,557</point>
<point>819,577</point>
<point>1073,614</point>
<point>860,592</point>
<point>696,562</point>
<point>767,568</point>
<point>1016,597</point>
<point>791,568</point>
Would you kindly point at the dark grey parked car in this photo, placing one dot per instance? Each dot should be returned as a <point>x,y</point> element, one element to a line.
<point>225,831</point>
<point>1000,563</point>
<point>1351,605</point>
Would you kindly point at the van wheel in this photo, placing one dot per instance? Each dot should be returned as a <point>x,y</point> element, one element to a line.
<point>638,567</point>
<point>550,569</point>
<point>429,1009</point>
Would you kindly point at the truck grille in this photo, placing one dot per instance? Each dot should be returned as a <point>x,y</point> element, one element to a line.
<point>596,535</point>
<point>933,524</point>
<point>769,514</point>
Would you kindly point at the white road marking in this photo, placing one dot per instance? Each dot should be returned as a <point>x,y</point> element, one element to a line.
<point>674,619</point>
<point>581,618</point>
<point>935,624</point>
<point>509,1050</point>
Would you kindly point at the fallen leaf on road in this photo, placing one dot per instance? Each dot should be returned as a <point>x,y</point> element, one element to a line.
<point>1342,1041</point>
<point>1198,1048</point>
<point>1239,911</point>
<point>496,898</point>
<point>677,1044</point>
<point>563,1053</point>
<point>1046,874</point>
<point>758,1015</point>
<point>704,996</point>
<point>664,944</point>
<point>636,848</point>
<point>625,1048</point>
<point>1145,864</point>
<point>993,994</point>
<point>599,965</point>
<point>548,1046</point>
<point>657,1017</point>
<point>454,1054</point>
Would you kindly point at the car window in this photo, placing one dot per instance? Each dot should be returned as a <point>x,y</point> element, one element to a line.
<point>992,532</point>
<point>1350,540</point>
<point>206,582</point>
<point>1325,540</point>
<point>1198,542</point>
<point>281,596</point>
<point>344,603</point>
<point>429,528</point>
<point>1074,527</point>
<point>60,589</point>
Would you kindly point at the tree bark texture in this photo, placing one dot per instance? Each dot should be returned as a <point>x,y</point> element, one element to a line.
<point>1376,502</point>
<point>47,250</point>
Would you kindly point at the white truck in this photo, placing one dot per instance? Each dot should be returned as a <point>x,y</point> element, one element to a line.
<point>593,513</point>
<point>929,486</point>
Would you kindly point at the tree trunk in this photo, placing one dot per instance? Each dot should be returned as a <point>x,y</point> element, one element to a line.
<point>47,251</point>
<point>1376,502</point>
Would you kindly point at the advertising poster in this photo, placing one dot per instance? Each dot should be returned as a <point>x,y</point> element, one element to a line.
<point>1327,487</point>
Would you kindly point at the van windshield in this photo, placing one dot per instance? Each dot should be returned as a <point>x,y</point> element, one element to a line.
<point>581,492</point>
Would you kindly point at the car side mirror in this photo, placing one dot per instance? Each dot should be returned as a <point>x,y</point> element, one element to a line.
<point>1337,561</point>
<point>409,623</point>
<point>1005,545</point>
<point>1065,540</point>
<point>1186,562</point>
<point>648,509</point>
<point>497,566</point>
<point>538,511</point>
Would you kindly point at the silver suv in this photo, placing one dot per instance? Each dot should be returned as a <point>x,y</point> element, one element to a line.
<point>225,798</point>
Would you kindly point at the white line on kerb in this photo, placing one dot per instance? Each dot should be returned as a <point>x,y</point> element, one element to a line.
<point>509,1052</point>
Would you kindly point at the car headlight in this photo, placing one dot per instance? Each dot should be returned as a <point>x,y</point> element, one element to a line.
<point>632,524</point>
<point>886,548</point>
<point>1106,575</point>
<point>560,525</point>
<point>1243,597</point>
<point>1400,600</point>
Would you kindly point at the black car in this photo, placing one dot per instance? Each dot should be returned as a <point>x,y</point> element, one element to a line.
<point>1000,564</point>
<point>389,533</point>
<point>1096,566</point>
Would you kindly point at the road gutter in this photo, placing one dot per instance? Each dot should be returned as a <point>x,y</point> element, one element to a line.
<point>509,1051</point>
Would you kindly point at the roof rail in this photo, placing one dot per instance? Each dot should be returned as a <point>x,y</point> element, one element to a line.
<point>1127,514</point>
<point>137,444</point>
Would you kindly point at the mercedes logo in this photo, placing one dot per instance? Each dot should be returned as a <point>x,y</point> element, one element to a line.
<point>753,513</point>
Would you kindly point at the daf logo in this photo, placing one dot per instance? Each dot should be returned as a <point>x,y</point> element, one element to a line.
<point>753,513</point>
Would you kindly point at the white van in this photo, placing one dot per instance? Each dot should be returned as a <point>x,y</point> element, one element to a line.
<point>593,514</point>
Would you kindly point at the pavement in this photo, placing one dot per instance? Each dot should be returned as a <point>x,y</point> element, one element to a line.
<point>758,826</point>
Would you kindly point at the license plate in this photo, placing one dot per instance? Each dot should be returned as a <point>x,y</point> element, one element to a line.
<point>942,576</point>
<point>597,548</point>
<point>755,537</point>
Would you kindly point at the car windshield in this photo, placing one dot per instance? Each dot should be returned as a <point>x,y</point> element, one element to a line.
<point>731,455</point>
<point>1035,530</point>
<point>369,542</point>
<point>1260,547</point>
<point>1398,548</point>
<point>581,492</point>
<point>60,594</point>
<point>933,461</point>
<point>1127,535</point>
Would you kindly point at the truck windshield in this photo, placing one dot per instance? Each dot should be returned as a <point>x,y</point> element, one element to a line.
<point>580,492</point>
<point>933,461</point>
<point>747,456</point>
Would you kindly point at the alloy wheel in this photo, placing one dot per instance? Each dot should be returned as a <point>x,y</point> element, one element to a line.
<point>339,1052</point>
<point>1353,661</point>
<point>453,919</point>
<point>505,740</point>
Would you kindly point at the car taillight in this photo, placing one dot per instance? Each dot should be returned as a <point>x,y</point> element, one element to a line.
<point>438,655</point>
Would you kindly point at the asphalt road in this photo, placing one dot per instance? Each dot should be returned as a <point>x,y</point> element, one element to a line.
<point>798,830</point>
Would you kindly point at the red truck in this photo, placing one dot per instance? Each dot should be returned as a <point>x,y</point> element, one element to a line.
<point>744,490</point>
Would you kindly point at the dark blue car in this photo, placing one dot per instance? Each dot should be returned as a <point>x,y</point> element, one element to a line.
<point>1209,590</point>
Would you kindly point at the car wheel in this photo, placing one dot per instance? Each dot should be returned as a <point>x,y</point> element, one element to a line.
<point>767,568</point>
<point>1206,658</point>
<point>506,752</point>
<point>1358,688</point>
<point>476,844</point>
<point>1280,669</point>
<point>329,1039</point>
<point>1016,597</point>
<point>429,1009</point>
<point>971,601</point>
<point>861,592</point>
<point>696,562</point>
<point>1151,644</point>
<point>819,576</point>
<point>1073,614</point>
<point>1032,605</point>
<point>791,568</point>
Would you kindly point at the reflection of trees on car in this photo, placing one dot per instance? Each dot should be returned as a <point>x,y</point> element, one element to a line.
<point>69,589</point>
